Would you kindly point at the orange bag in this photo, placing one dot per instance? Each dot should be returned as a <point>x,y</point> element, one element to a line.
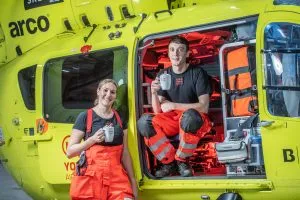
<point>242,105</point>
<point>241,81</point>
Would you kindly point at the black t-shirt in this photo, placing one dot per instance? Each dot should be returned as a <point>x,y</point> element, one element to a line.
<point>99,122</point>
<point>186,87</point>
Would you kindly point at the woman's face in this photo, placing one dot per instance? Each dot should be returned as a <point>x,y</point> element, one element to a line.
<point>107,94</point>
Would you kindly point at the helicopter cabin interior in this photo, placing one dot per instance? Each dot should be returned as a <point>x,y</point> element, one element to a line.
<point>227,54</point>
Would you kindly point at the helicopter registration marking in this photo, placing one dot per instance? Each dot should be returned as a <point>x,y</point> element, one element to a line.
<point>290,155</point>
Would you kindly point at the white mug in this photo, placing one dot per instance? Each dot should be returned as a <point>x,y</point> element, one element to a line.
<point>109,133</point>
<point>165,81</point>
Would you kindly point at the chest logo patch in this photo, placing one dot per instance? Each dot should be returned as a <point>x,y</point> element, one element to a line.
<point>179,81</point>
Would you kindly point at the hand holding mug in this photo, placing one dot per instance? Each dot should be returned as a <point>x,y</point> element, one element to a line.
<point>155,86</point>
<point>98,136</point>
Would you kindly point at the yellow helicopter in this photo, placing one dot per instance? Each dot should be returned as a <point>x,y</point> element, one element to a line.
<point>53,53</point>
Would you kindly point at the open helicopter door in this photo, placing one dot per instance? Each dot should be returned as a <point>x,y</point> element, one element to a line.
<point>279,77</point>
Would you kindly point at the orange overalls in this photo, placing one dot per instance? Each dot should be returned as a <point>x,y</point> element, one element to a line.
<point>168,125</point>
<point>105,175</point>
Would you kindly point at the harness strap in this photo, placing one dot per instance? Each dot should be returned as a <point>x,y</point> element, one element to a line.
<point>118,118</point>
<point>89,120</point>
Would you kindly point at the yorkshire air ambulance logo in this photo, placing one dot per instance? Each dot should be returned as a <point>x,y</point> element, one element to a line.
<point>64,144</point>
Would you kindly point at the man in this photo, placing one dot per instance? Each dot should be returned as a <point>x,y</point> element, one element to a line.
<point>181,109</point>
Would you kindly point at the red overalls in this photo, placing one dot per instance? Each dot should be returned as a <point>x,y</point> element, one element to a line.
<point>105,175</point>
<point>167,125</point>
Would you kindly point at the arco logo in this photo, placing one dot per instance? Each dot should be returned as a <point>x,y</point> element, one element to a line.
<point>30,25</point>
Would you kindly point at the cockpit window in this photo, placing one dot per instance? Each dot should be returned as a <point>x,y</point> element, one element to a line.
<point>26,78</point>
<point>71,82</point>
<point>282,68</point>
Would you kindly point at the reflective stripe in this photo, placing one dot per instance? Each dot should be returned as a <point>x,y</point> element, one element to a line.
<point>187,145</point>
<point>157,144</point>
<point>238,70</point>
<point>162,154</point>
<point>183,145</point>
<point>182,154</point>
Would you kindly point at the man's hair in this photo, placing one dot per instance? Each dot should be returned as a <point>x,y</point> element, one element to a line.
<point>179,40</point>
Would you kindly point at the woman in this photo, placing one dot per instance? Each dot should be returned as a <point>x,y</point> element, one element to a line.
<point>104,178</point>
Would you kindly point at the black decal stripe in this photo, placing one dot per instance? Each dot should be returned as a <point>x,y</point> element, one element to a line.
<point>30,4</point>
<point>238,70</point>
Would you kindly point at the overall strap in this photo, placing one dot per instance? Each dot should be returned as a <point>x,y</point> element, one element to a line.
<point>89,120</point>
<point>118,118</point>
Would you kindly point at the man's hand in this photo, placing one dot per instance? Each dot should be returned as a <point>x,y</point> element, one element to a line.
<point>168,106</point>
<point>155,86</point>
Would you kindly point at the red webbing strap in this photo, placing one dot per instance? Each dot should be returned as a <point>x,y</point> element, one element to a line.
<point>118,118</point>
<point>89,120</point>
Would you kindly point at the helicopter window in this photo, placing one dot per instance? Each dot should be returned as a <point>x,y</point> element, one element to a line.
<point>71,82</point>
<point>26,79</point>
<point>282,57</point>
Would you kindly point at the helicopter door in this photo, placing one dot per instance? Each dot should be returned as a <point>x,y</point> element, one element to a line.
<point>280,96</point>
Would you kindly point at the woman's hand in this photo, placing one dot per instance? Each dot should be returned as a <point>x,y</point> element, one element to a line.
<point>98,136</point>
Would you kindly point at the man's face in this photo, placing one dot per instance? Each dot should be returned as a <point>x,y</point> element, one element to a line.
<point>177,54</point>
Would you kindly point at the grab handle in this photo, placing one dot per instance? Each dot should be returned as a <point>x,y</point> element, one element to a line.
<point>266,123</point>
<point>46,137</point>
<point>162,11</point>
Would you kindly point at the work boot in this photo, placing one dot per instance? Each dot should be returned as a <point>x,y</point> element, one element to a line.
<point>166,170</point>
<point>184,169</point>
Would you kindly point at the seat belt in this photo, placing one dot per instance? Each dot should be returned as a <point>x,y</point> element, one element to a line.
<point>246,124</point>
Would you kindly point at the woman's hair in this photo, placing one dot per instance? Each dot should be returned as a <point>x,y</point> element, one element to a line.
<point>103,82</point>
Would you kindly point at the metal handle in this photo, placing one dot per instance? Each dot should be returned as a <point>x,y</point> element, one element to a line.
<point>46,137</point>
<point>266,123</point>
<point>136,28</point>
<point>162,11</point>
